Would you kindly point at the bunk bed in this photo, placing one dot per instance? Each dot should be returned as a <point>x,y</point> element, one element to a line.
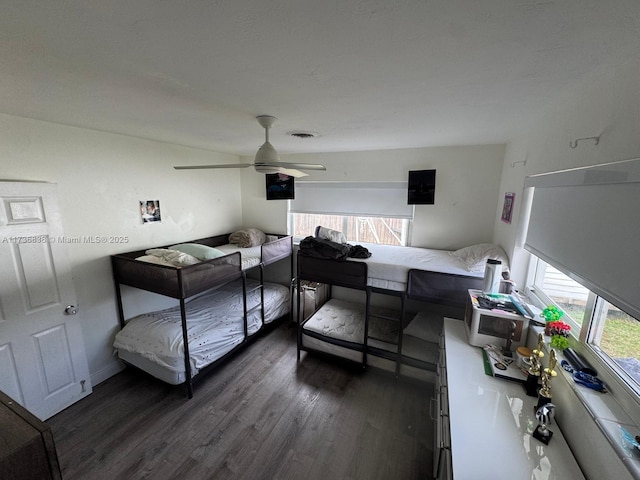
<point>221,305</point>
<point>362,333</point>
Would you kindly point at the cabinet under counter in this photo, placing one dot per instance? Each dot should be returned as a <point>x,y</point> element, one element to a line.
<point>491,421</point>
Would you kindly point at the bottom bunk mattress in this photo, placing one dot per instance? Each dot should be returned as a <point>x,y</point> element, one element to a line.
<point>215,326</point>
<point>337,328</point>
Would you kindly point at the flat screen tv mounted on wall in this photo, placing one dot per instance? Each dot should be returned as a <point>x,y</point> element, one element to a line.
<point>422,187</point>
<point>280,186</point>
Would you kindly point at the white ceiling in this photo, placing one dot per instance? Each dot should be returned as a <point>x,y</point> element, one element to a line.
<point>363,74</point>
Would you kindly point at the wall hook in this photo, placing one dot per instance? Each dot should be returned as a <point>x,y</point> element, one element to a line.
<point>520,162</point>
<point>574,143</point>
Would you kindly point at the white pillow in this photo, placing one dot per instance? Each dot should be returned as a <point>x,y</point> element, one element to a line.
<point>475,257</point>
<point>154,259</point>
<point>332,235</point>
<point>174,257</point>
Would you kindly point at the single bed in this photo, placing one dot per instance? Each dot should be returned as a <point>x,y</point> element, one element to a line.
<point>339,329</point>
<point>430,275</point>
<point>215,326</point>
<point>183,280</point>
<point>425,275</point>
<point>184,272</point>
<point>389,265</point>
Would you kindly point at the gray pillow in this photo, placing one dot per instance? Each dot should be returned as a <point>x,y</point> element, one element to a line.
<point>202,252</point>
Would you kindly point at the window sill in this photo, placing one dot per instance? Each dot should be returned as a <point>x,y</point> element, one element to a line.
<point>606,412</point>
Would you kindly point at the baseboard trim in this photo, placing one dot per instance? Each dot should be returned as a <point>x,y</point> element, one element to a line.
<point>106,372</point>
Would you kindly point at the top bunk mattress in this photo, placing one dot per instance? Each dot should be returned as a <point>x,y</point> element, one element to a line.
<point>249,257</point>
<point>389,265</point>
<point>186,269</point>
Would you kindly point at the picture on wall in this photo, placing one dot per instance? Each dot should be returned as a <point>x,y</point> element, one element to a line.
<point>507,208</point>
<point>422,187</point>
<point>280,186</point>
<point>150,211</point>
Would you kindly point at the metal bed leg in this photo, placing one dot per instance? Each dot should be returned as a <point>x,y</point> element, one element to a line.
<point>244,305</point>
<point>365,346</point>
<point>400,333</point>
<point>297,319</point>
<point>185,340</point>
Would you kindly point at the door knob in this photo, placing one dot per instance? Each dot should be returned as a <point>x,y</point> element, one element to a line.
<point>71,310</point>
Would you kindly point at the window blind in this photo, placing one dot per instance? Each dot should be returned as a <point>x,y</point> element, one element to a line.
<point>586,223</point>
<point>367,199</point>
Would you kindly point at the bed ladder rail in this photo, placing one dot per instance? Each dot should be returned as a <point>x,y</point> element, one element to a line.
<point>260,286</point>
<point>384,320</point>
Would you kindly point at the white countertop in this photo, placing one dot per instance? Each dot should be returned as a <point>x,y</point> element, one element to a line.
<point>491,422</point>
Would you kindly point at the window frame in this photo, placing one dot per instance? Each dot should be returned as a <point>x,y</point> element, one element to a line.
<point>624,390</point>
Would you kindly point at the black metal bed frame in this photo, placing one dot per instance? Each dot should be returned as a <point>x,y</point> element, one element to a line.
<point>185,282</point>
<point>422,285</point>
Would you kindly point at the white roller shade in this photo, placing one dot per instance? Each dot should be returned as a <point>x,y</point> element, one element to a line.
<point>586,223</point>
<point>368,199</point>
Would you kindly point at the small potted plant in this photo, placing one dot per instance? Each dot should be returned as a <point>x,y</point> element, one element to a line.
<point>559,332</point>
<point>551,314</point>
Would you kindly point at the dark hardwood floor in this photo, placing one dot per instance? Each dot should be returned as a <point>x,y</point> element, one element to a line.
<point>258,416</point>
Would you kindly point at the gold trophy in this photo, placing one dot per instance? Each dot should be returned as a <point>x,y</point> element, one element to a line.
<point>544,396</point>
<point>535,369</point>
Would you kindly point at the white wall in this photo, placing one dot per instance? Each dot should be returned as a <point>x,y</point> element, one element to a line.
<point>607,105</point>
<point>467,185</point>
<point>101,178</point>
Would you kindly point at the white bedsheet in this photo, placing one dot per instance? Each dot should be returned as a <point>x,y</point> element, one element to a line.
<point>250,257</point>
<point>389,265</point>
<point>214,326</point>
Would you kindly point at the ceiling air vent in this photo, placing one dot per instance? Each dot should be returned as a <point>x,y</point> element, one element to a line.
<point>299,134</point>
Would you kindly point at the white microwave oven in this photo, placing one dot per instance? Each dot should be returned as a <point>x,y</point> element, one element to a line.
<point>494,327</point>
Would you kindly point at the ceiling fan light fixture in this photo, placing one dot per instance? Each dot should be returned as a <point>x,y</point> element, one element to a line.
<point>267,154</point>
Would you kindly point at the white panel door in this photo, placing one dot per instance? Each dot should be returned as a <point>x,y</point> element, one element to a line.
<point>43,364</point>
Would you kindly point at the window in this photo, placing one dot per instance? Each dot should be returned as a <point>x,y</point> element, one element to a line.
<point>609,332</point>
<point>616,335</point>
<point>368,212</point>
<point>384,230</point>
<point>553,286</point>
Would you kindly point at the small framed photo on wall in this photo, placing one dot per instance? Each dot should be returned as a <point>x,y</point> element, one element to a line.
<point>150,211</point>
<point>507,208</point>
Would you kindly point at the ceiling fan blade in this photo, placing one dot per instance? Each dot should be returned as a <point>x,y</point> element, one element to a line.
<point>293,173</point>
<point>277,168</point>
<point>302,166</point>
<point>228,165</point>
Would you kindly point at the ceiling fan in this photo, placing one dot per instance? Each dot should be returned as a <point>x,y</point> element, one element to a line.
<point>267,159</point>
